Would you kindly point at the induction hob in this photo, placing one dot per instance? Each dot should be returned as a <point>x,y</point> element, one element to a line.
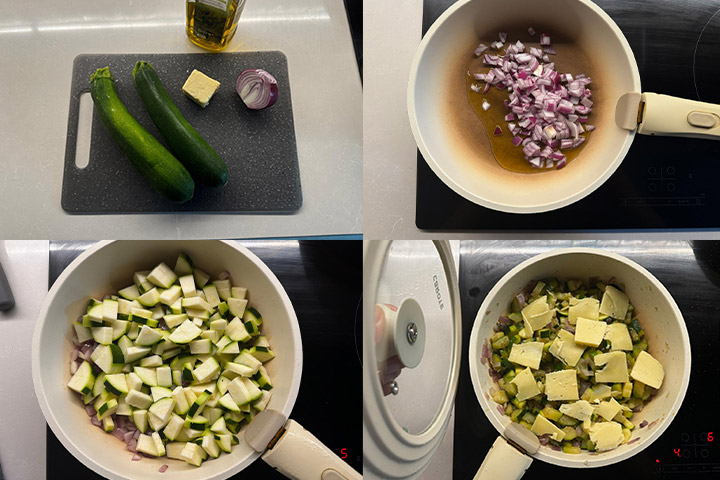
<point>663,183</point>
<point>323,281</point>
<point>688,448</point>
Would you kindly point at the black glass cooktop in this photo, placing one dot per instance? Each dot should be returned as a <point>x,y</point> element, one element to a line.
<point>663,183</point>
<point>688,449</point>
<point>323,281</point>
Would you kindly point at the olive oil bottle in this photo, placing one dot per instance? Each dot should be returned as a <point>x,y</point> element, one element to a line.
<point>211,24</point>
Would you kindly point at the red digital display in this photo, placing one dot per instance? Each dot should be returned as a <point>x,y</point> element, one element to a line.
<point>694,446</point>
<point>343,453</point>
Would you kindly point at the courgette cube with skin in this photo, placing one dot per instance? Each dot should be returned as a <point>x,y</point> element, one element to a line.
<point>147,375</point>
<point>261,403</point>
<point>172,429</point>
<point>196,303</point>
<point>240,369</point>
<point>192,454</point>
<point>231,348</point>
<point>227,402</point>
<point>171,295</point>
<point>83,333</point>
<point>162,276</point>
<point>263,379</point>
<point>237,307</point>
<point>219,426</point>
<point>102,335</point>
<point>246,359</point>
<point>223,308</point>
<point>137,399</point>
<point>219,325</point>
<point>110,309</point>
<point>264,354</point>
<point>187,283</point>
<point>210,446</point>
<point>109,358</point>
<point>185,333</point>
<point>181,404</point>
<point>183,265</point>
<point>142,320</point>
<point>150,298</point>
<point>146,445</point>
<point>198,422</point>
<point>176,308</point>
<point>174,449</point>
<point>159,445</point>
<point>164,376</point>
<point>252,329</point>
<point>262,341</point>
<point>200,347</point>
<point>174,320</point>
<point>152,361</point>
<point>105,408</point>
<point>108,424</point>
<point>130,293</point>
<point>116,384</point>
<point>211,295</point>
<point>160,393</point>
<point>83,380</point>
<point>119,328</point>
<point>207,370</point>
<point>187,373</point>
<point>163,408</point>
<point>199,402</point>
<point>201,278</point>
<point>224,442</point>
<point>136,353</point>
<point>236,331</point>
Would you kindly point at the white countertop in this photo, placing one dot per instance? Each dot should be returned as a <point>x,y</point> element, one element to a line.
<point>41,38</point>
<point>26,266</point>
<point>392,33</point>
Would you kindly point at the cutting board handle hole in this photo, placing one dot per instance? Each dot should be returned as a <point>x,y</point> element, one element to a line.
<point>84,130</point>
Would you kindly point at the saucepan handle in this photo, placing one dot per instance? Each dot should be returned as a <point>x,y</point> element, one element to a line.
<point>503,462</point>
<point>678,117</point>
<point>300,456</point>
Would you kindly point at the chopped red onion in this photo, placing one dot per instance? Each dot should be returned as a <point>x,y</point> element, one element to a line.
<point>633,440</point>
<point>485,105</point>
<point>162,469</point>
<point>502,36</point>
<point>549,115</point>
<point>480,49</point>
<point>498,131</point>
<point>531,31</point>
<point>474,88</point>
<point>501,409</point>
<point>136,457</point>
<point>257,88</point>
<point>643,424</point>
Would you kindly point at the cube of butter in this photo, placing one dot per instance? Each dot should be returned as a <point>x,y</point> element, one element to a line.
<point>561,385</point>
<point>200,88</point>
<point>589,332</point>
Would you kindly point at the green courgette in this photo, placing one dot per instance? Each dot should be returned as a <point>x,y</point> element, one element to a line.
<point>191,149</point>
<point>160,168</point>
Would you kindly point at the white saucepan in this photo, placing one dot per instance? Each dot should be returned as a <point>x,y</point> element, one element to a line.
<point>455,145</point>
<point>106,267</point>
<point>666,335</point>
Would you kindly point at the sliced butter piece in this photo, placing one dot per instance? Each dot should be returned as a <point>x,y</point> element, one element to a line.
<point>606,435</point>
<point>582,410</point>
<point>618,336</point>
<point>648,370</point>
<point>527,354</point>
<point>608,410</point>
<point>526,385</point>
<point>584,307</point>
<point>615,370</point>
<point>589,332</point>
<point>200,88</point>
<point>561,385</point>
<point>565,348</point>
<point>614,303</point>
<point>542,425</point>
<point>537,314</point>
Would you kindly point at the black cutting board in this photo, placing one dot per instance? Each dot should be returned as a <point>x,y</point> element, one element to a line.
<point>258,146</point>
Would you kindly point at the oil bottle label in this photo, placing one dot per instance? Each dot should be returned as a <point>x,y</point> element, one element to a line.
<point>210,19</point>
<point>221,4</point>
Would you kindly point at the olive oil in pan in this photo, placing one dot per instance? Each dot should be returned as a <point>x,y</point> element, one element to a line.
<point>211,24</point>
<point>508,156</point>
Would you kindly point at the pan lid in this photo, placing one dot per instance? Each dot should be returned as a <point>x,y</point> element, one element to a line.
<point>411,353</point>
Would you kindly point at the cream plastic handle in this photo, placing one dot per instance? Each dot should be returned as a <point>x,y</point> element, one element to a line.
<point>679,117</point>
<point>300,456</point>
<point>503,462</point>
